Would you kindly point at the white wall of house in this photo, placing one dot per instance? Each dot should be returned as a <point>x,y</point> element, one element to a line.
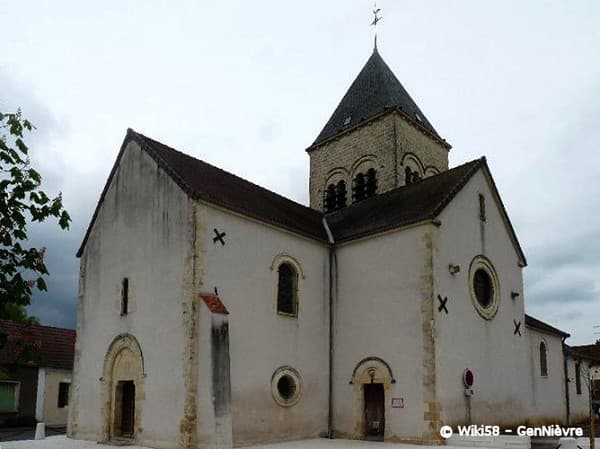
<point>548,391</point>
<point>244,272</point>
<point>378,314</point>
<point>499,359</point>
<point>53,415</point>
<point>578,402</point>
<point>140,233</point>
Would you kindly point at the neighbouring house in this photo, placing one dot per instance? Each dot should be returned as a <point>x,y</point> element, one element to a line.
<point>214,313</point>
<point>583,378</point>
<point>36,364</point>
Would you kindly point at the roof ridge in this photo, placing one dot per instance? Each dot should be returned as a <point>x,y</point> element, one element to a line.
<point>144,137</point>
<point>375,90</point>
<point>16,323</point>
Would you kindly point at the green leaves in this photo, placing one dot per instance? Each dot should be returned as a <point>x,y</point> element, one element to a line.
<point>21,201</point>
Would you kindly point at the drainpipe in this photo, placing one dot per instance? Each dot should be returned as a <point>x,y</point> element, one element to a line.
<point>566,369</point>
<point>332,278</point>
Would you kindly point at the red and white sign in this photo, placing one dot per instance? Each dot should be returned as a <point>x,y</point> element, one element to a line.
<point>397,402</point>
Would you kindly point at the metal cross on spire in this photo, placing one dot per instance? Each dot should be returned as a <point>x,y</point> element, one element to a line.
<point>376,19</point>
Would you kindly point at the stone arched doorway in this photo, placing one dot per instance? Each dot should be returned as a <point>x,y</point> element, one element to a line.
<point>122,388</point>
<point>372,380</point>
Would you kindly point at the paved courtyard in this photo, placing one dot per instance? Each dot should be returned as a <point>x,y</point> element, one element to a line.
<point>62,442</point>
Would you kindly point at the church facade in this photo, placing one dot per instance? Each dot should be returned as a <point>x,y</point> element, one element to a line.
<point>215,313</point>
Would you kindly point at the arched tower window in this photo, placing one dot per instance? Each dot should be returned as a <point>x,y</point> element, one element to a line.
<point>335,196</point>
<point>287,290</point>
<point>340,195</point>
<point>359,189</point>
<point>330,198</point>
<point>371,184</point>
<point>543,359</point>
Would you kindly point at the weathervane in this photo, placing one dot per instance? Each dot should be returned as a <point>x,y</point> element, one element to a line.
<point>376,19</point>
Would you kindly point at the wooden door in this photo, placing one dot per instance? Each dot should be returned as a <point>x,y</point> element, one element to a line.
<point>127,408</point>
<point>374,412</point>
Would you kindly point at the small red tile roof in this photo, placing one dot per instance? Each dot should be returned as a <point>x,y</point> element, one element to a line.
<point>214,304</point>
<point>54,346</point>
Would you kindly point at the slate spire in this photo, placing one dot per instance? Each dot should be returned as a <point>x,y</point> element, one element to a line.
<point>374,91</point>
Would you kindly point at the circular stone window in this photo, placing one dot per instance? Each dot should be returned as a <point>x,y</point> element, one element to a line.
<point>286,386</point>
<point>484,287</point>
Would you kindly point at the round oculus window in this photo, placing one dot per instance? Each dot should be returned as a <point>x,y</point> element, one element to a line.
<point>484,287</point>
<point>286,386</point>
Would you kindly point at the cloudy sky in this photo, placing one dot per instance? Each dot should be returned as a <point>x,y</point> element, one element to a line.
<point>248,85</point>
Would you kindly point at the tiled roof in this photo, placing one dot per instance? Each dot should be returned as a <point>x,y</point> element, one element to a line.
<point>54,347</point>
<point>591,352</point>
<point>214,304</point>
<point>206,182</point>
<point>393,209</point>
<point>402,206</point>
<point>374,91</point>
<point>545,327</point>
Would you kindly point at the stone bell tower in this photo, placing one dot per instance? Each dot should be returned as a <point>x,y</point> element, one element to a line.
<point>376,140</point>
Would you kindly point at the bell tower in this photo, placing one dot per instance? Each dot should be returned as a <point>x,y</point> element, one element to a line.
<point>376,140</point>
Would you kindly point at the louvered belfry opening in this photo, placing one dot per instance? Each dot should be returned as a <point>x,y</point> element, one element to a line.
<point>335,196</point>
<point>364,185</point>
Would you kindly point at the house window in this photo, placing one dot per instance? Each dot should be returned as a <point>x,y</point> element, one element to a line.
<point>287,290</point>
<point>63,394</point>
<point>543,359</point>
<point>481,207</point>
<point>125,296</point>
<point>9,396</point>
<point>578,377</point>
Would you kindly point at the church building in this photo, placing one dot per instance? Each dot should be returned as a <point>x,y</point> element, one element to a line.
<point>215,313</point>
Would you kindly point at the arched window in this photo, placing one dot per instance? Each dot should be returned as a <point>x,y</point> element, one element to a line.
<point>359,192</point>
<point>543,359</point>
<point>124,296</point>
<point>330,198</point>
<point>371,184</point>
<point>340,195</point>
<point>411,176</point>
<point>287,290</point>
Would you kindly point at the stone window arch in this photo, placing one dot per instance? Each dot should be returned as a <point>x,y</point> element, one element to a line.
<point>123,364</point>
<point>484,287</point>
<point>543,350</point>
<point>335,192</point>
<point>431,171</point>
<point>364,178</point>
<point>412,168</point>
<point>288,275</point>
<point>286,386</point>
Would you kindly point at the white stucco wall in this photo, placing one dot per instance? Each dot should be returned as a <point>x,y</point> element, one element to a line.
<point>261,341</point>
<point>140,233</point>
<point>378,314</point>
<point>52,414</point>
<point>548,392</point>
<point>578,403</point>
<point>499,359</point>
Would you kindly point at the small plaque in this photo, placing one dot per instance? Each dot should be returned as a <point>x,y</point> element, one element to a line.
<point>397,402</point>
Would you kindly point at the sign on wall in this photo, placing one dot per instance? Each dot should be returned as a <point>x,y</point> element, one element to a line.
<point>397,402</point>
